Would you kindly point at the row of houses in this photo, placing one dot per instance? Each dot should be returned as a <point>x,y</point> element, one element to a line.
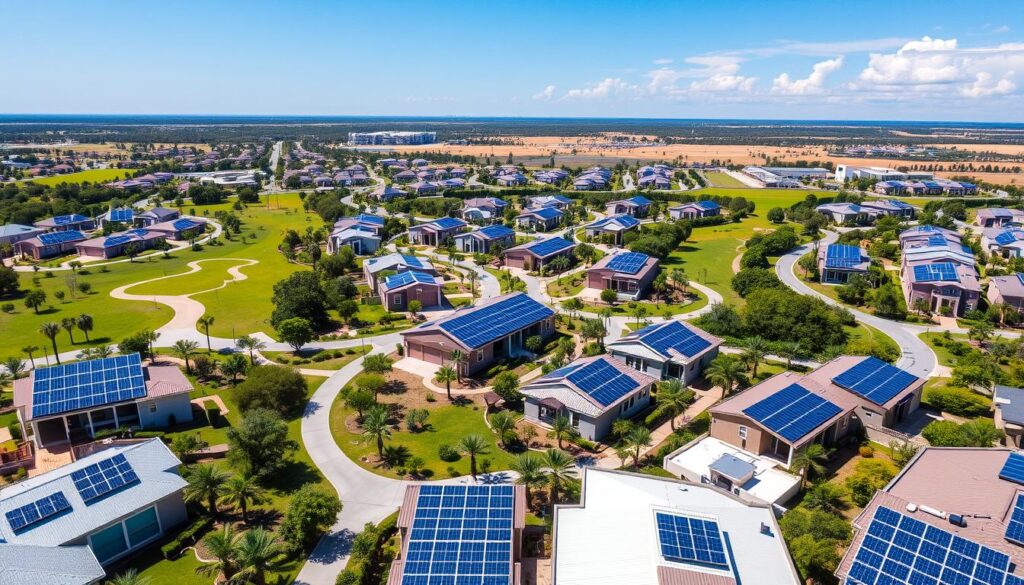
<point>47,245</point>
<point>866,211</point>
<point>786,177</point>
<point>427,174</point>
<point>931,187</point>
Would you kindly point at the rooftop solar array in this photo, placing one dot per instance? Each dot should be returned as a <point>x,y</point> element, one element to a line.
<point>1009,236</point>
<point>447,223</point>
<point>602,381</point>
<point>792,412</point>
<point>1013,469</point>
<point>690,539</point>
<point>54,238</point>
<point>37,511</point>
<point>121,215</point>
<point>103,477</point>
<point>842,256</point>
<point>185,224</point>
<point>1015,527</point>
<point>1020,277</point>
<point>625,220</point>
<point>367,218</point>
<point>546,212</point>
<point>899,204</point>
<point>707,204</point>
<point>112,241</point>
<point>411,260</point>
<point>66,219</point>
<point>875,380</point>
<point>673,336</point>
<point>496,320</point>
<point>87,384</point>
<point>409,277</point>
<point>640,200</point>
<point>937,240</point>
<point>496,231</point>
<point>461,534</point>
<point>629,263</point>
<point>938,272</point>
<point>900,550</point>
<point>549,246</point>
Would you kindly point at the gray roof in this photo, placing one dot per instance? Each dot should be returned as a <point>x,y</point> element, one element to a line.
<point>15,229</point>
<point>1010,402</point>
<point>732,467</point>
<point>65,565</point>
<point>151,460</point>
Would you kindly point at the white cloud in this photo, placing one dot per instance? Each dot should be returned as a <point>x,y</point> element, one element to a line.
<point>608,87</point>
<point>545,94</point>
<point>822,49</point>
<point>662,61</point>
<point>722,82</point>
<point>812,84</point>
<point>984,86</point>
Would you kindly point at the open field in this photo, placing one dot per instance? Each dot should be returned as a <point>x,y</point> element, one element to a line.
<point>90,176</point>
<point>720,179</point>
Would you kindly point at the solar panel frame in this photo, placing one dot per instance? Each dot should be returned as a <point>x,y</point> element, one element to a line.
<point>87,384</point>
<point>875,380</point>
<point>628,262</point>
<point>792,412</point>
<point>104,477</point>
<point>936,272</point>
<point>675,336</point>
<point>29,515</point>
<point>692,539</point>
<point>121,215</point>
<point>495,320</point>
<point>602,381</point>
<point>1013,468</point>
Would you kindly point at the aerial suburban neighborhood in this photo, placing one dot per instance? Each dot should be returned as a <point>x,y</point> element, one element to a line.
<point>461,295</point>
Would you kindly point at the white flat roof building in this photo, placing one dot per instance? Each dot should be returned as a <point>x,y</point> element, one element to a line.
<point>617,535</point>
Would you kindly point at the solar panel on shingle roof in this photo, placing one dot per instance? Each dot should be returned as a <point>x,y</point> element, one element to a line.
<point>629,263</point>
<point>792,412</point>
<point>121,215</point>
<point>875,380</point>
<point>842,256</point>
<point>496,231</point>
<point>937,272</point>
<point>690,539</point>
<point>54,238</point>
<point>1015,527</point>
<point>602,381</point>
<point>496,320</point>
<point>549,246</point>
<point>673,336</point>
<point>185,224</point>
<point>447,223</point>
<point>112,241</point>
<point>87,384</point>
<point>1013,469</point>
<point>103,477</point>
<point>408,277</point>
<point>411,260</point>
<point>546,212</point>
<point>30,514</point>
<point>367,218</point>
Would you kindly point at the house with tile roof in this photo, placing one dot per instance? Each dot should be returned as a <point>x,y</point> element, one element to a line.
<point>534,256</point>
<point>672,349</point>
<point>838,262</point>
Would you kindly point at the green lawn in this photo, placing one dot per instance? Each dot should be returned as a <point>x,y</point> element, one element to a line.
<point>941,351</point>
<point>568,285</point>
<point>213,274</point>
<point>91,176</point>
<point>309,357</point>
<point>720,179</point>
<point>653,310</point>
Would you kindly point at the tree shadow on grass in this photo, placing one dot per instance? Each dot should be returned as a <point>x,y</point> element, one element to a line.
<point>293,475</point>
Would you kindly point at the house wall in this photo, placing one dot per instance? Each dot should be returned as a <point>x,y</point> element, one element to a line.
<point>518,259</point>
<point>154,413</point>
<point>726,427</point>
<point>995,297</point>
<point>427,295</point>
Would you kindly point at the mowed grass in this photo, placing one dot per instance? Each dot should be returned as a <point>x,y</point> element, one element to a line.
<point>213,273</point>
<point>89,176</point>
<point>720,179</point>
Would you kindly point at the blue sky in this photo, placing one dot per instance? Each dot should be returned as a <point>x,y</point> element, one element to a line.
<point>904,60</point>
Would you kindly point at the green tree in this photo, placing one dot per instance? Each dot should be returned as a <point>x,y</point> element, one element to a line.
<point>825,496</point>
<point>205,322</point>
<point>50,330</point>
<point>446,375</point>
<point>415,306</point>
<point>360,401</point>
<point>184,444</point>
<point>296,332</point>
<point>573,306</point>
<point>233,365</point>
<point>559,468</point>
<point>634,442</point>
<point>258,553</point>
<point>754,350</point>
<point>281,389</point>
<point>503,423</point>
<point>85,324</point>
<point>776,215</point>
<point>185,349</point>
<point>311,511</point>
<point>241,492</point>
<point>609,296</point>
<point>259,445</point>
<point>206,484</point>
<point>815,559</point>
<point>506,385</point>
<point>529,468</point>
<point>473,446</point>
<point>300,295</point>
<point>725,371</point>
<point>378,363</point>
<point>869,476</point>
<point>672,399</point>
<point>376,428</point>
<point>29,350</point>
<point>809,461</point>
<point>129,577</point>
<point>222,547</point>
<point>68,324</point>
<point>252,345</point>
<point>561,429</point>
<point>35,299</point>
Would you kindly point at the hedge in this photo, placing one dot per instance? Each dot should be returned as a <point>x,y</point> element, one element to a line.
<point>369,569</point>
<point>958,401</point>
<point>187,537</point>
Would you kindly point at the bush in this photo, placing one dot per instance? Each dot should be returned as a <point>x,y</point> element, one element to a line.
<point>276,388</point>
<point>869,476</point>
<point>958,401</point>
<point>448,454</point>
<point>187,537</point>
<point>866,451</point>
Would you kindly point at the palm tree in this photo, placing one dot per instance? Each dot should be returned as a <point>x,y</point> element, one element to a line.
<point>559,467</point>
<point>635,441</point>
<point>15,366</point>
<point>446,375</point>
<point>456,357</point>
<point>29,350</point>
<point>376,427</point>
<point>242,491</point>
<point>185,349</point>
<point>252,345</point>
<point>561,428</point>
<point>825,496</point>
<point>51,329</point>
<point>129,577</point>
<point>530,470</point>
<point>68,324</point>
<point>809,461</point>
<point>725,371</point>
<point>206,483</point>
<point>472,446</point>
<point>754,350</point>
<point>205,321</point>
<point>258,552</point>
<point>84,322</point>
<point>672,399</point>
<point>504,424</point>
<point>223,547</point>
<point>790,350</point>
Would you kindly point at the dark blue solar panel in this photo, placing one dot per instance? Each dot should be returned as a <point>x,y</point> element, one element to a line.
<point>629,262</point>
<point>497,231</point>
<point>53,238</point>
<point>409,277</point>
<point>602,381</point>
<point>875,380</point>
<point>185,224</point>
<point>1013,469</point>
<point>367,218</point>
<point>39,510</point>
<point>939,271</point>
<point>121,215</point>
<point>674,336</point>
<point>411,260</point>
<point>116,241</point>
<point>496,320</point>
<point>792,412</point>
<point>707,204</point>
<point>87,384</point>
<point>66,219</point>
<point>842,256</point>
<point>447,223</point>
<point>102,478</point>
<point>546,212</point>
<point>690,539</point>
<point>549,246</point>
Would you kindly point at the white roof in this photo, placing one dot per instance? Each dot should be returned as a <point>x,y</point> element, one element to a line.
<point>65,565</point>
<point>769,484</point>
<point>611,538</point>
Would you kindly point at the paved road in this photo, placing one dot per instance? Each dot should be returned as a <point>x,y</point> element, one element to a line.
<point>917,358</point>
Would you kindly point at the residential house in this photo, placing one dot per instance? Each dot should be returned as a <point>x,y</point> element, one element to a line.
<point>629,274</point>
<point>695,210</point>
<point>1008,411</point>
<point>48,245</point>
<point>1004,242</point>
<point>399,289</point>
<point>611,228</point>
<point>668,350</point>
<point>1006,290</point>
<point>485,240</point>
<point>423,188</point>
<point>843,213</point>
<point>435,232</point>
<point>992,217</point>
<point>492,518</point>
<point>533,256</point>
<point>182,229</point>
<point>483,209</point>
<point>591,392</point>
<point>838,262</point>
<point>516,179</point>
<point>560,201</point>
<point>122,216</point>
<point>638,529</point>
<point>405,176</point>
<point>637,206</point>
<point>541,219</point>
<point>64,525</point>
<point>364,221</point>
<point>944,287</point>
<point>494,330</point>
<point>654,177</point>
<point>363,242</point>
<point>593,179</point>
<point>58,404</point>
<point>385,193</point>
<point>889,207</point>
<point>374,268</point>
<point>551,176</point>
<point>12,233</point>
<point>62,223</point>
<point>134,241</point>
<point>156,215</point>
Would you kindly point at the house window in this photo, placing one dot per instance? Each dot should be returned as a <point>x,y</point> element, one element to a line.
<point>480,356</point>
<point>743,432</point>
<point>574,419</point>
<point>396,300</point>
<point>142,527</point>
<point>152,407</point>
<point>108,543</point>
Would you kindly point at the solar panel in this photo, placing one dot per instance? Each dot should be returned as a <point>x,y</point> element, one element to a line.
<point>626,220</point>
<point>496,320</point>
<point>103,477</point>
<point>1013,469</point>
<point>497,231</point>
<point>875,380</point>
<point>842,256</point>
<point>640,200</point>
<point>549,246</point>
<point>690,539</point>
<point>411,260</point>
<point>461,534</point>
<point>66,219</point>
<point>409,277</point>
<point>116,241</point>
<point>1009,236</point>
<point>602,381</point>
<point>87,384</point>
<point>185,224</point>
<point>900,550</point>
<point>39,510</point>
<point>792,412</point>
<point>630,262</point>
<point>937,240</point>
<point>121,215</point>
<point>707,204</point>
<point>546,212</point>
<point>367,218</point>
<point>54,238</point>
<point>1015,528</point>
<point>673,336</point>
<point>447,223</point>
<point>939,271</point>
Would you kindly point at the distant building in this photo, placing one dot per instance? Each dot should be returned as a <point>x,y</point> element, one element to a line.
<point>156,215</point>
<point>994,217</point>
<point>134,240</point>
<point>385,193</point>
<point>1003,242</point>
<point>629,274</point>
<point>390,137</point>
<point>560,201</point>
<point>483,209</point>
<point>936,269</point>
<point>668,350</point>
<point>435,232</point>
<point>1008,410</point>
<point>1007,290</point>
<point>593,179</point>
<point>533,256</point>
<point>695,210</point>
<point>48,245</point>
<point>61,223</point>
<point>185,228</point>
<point>842,213</point>
<point>838,262</point>
<point>888,207</point>
<point>782,176</point>
<point>637,206</point>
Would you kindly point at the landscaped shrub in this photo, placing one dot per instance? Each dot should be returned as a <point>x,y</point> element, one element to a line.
<point>187,537</point>
<point>958,401</point>
<point>448,454</point>
<point>869,476</point>
<point>15,430</point>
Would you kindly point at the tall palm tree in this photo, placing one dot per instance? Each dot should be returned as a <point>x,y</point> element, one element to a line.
<point>754,350</point>
<point>129,577</point>
<point>559,468</point>
<point>15,366</point>
<point>242,491</point>
<point>68,324</point>
<point>530,469</point>
<point>29,350</point>
<point>561,429</point>
<point>252,345</point>
<point>376,427</point>
<point>725,371</point>
<point>205,321</point>
<point>185,349</point>
<point>206,484</point>
<point>258,552</point>
<point>222,546</point>
<point>504,424</point>
<point>672,399</point>
<point>810,461</point>
<point>51,329</point>
<point>790,350</point>
<point>446,375</point>
<point>456,357</point>
<point>635,441</point>
<point>85,323</point>
<point>473,446</point>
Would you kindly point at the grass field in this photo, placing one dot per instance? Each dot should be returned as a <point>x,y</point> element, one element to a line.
<point>89,176</point>
<point>720,179</point>
<point>653,309</point>
<point>213,274</point>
